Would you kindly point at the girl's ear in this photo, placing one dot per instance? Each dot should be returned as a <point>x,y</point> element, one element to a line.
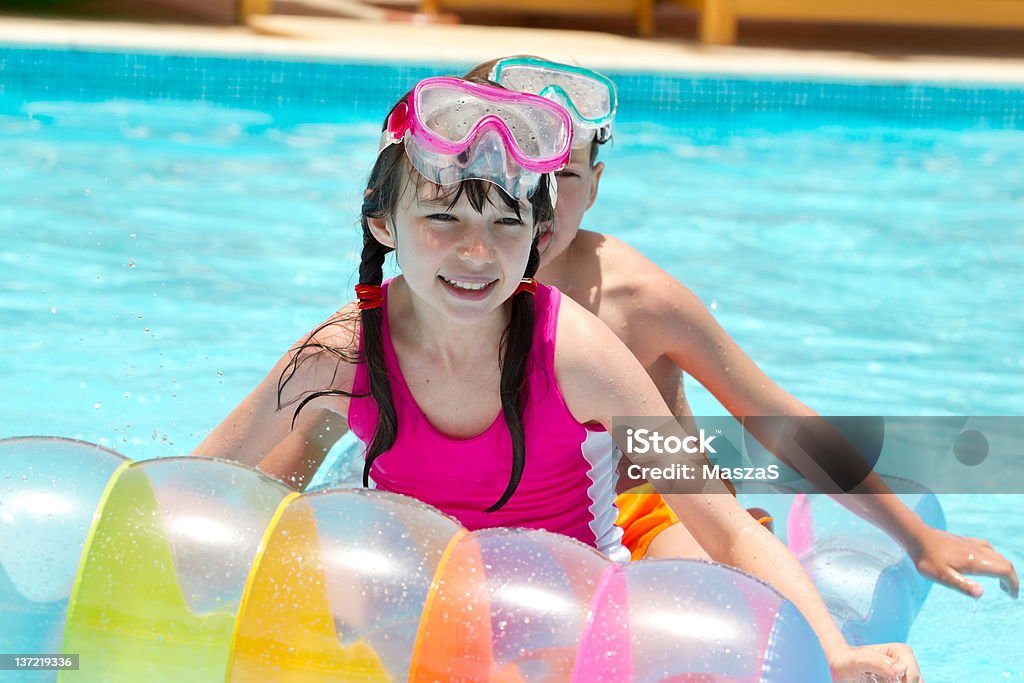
<point>382,231</point>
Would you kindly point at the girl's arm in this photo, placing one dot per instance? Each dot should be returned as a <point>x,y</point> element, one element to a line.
<point>259,432</point>
<point>600,386</point>
<point>296,458</point>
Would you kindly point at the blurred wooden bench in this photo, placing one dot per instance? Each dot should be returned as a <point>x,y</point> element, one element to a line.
<point>254,12</point>
<point>718,18</point>
<point>641,11</point>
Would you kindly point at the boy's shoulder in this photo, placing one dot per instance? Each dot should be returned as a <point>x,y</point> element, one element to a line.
<point>605,245</point>
<point>626,275</point>
<point>617,258</point>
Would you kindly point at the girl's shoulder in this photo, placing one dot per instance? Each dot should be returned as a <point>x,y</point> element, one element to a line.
<point>594,369</point>
<point>323,358</point>
<point>575,324</point>
<point>340,330</point>
<point>582,340</point>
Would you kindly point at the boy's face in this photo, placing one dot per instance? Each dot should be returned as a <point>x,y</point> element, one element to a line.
<point>577,189</point>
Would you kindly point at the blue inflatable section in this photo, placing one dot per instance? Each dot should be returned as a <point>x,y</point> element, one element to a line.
<point>51,489</point>
<point>867,580</point>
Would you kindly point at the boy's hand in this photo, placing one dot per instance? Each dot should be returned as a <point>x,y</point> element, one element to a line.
<point>946,558</point>
<point>888,662</point>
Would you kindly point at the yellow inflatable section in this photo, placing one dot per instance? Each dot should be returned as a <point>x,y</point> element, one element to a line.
<point>289,571</point>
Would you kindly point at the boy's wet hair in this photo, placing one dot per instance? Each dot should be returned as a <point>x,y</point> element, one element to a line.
<point>481,73</point>
<point>384,190</point>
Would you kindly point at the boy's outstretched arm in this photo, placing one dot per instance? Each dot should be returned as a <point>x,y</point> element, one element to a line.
<point>699,345</point>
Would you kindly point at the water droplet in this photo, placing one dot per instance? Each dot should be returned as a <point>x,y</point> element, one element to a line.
<point>131,263</point>
<point>97,405</point>
<point>53,309</point>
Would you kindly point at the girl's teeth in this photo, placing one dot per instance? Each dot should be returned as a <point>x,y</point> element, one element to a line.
<point>466,285</point>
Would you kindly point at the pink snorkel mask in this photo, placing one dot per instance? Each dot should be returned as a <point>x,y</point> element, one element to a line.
<point>455,130</point>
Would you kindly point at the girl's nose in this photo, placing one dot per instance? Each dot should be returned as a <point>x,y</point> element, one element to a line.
<point>475,245</point>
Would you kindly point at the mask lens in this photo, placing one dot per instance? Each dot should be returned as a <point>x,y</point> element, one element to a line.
<point>456,116</point>
<point>584,95</point>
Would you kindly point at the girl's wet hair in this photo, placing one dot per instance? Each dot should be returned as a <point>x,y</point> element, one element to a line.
<point>384,189</point>
<point>481,73</point>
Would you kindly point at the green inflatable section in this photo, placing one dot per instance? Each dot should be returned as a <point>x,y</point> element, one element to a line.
<point>162,571</point>
<point>128,617</point>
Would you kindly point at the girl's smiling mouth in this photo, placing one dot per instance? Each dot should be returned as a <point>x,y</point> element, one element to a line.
<point>468,288</point>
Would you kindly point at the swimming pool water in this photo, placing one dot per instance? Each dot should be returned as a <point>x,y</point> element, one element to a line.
<point>159,255</point>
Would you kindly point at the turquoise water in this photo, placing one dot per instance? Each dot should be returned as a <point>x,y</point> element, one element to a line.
<point>158,257</point>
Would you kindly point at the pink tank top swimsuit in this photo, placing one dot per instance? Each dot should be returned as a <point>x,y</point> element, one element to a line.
<point>568,482</point>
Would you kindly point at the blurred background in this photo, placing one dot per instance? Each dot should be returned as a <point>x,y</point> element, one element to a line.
<point>969,27</point>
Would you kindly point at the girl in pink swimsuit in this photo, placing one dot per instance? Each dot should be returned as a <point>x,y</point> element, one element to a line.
<point>569,485</point>
<point>474,388</point>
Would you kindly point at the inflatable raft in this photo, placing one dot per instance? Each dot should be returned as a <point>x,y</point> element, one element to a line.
<point>197,569</point>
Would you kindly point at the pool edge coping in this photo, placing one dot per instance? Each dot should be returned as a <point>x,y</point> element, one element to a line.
<point>370,43</point>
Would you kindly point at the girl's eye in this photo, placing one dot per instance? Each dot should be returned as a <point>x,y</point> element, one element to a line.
<point>566,174</point>
<point>510,220</point>
<point>441,217</point>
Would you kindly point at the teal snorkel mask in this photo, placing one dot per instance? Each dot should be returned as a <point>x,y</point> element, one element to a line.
<point>589,97</point>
